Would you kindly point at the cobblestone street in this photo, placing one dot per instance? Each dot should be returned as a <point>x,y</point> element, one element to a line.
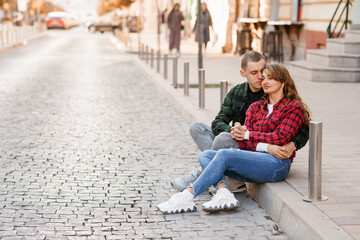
<point>88,148</point>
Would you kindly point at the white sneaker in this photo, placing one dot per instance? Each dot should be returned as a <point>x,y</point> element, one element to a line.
<point>223,200</point>
<point>178,203</point>
<point>235,186</point>
<point>183,182</point>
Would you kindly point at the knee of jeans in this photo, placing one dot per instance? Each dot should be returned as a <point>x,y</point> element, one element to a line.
<point>222,141</point>
<point>221,155</point>
<point>195,128</point>
<point>204,158</point>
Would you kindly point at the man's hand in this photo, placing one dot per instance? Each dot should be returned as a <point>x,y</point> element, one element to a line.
<point>282,152</point>
<point>238,131</point>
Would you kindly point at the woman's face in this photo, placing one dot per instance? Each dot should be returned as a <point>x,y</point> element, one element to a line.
<point>269,84</point>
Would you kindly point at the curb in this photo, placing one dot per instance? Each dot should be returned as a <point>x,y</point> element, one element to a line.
<point>298,219</point>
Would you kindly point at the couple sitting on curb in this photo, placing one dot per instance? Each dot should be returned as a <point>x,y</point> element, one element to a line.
<point>270,122</point>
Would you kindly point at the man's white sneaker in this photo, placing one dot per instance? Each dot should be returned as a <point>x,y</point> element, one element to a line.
<point>178,203</point>
<point>183,182</point>
<point>235,186</point>
<point>223,200</point>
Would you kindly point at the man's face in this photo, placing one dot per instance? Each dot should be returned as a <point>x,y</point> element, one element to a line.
<point>253,74</point>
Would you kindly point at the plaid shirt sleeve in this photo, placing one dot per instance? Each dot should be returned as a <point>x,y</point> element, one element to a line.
<point>292,121</point>
<point>224,117</point>
<point>234,98</point>
<point>250,144</point>
<point>302,137</point>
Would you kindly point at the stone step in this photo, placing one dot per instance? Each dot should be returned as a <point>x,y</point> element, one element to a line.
<point>351,34</point>
<point>324,57</point>
<point>343,45</point>
<point>317,73</point>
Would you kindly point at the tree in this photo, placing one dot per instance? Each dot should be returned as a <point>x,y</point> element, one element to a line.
<point>111,5</point>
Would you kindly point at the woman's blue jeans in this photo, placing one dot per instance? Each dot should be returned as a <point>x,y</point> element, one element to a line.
<point>247,166</point>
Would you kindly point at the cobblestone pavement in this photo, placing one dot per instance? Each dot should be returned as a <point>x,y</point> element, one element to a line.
<point>88,147</point>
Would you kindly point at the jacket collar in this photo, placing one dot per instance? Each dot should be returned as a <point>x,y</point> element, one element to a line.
<point>281,103</point>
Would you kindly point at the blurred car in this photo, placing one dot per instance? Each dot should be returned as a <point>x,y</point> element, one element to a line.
<point>108,22</point>
<point>133,23</point>
<point>57,20</point>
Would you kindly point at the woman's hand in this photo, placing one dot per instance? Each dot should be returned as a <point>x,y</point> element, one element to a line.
<point>282,152</point>
<point>238,131</point>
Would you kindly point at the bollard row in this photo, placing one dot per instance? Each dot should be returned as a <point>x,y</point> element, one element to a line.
<point>146,53</point>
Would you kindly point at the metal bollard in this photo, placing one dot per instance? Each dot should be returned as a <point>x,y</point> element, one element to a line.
<point>152,58</point>
<point>223,90</point>
<point>158,61</point>
<point>201,88</point>
<point>147,54</point>
<point>165,66</point>
<point>142,51</point>
<point>175,61</point>
<point>315,159</point>
<point>186,78</point>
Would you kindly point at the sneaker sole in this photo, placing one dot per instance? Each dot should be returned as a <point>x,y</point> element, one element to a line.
<point>179,211</point>
<point>226,209</point>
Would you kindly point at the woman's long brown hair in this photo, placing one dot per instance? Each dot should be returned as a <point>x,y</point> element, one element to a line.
<point>279,73</point>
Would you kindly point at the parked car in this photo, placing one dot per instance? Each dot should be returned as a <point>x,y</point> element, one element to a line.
<point>108,22</point>
<point>133,23</point>
<point>57,20</point>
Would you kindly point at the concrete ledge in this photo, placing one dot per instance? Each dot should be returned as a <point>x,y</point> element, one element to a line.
<point>300,220</point>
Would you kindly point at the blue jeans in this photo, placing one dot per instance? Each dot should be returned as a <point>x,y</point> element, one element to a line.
<point>249,166</point>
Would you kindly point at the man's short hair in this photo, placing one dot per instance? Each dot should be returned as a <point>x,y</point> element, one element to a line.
<point>251,56</point>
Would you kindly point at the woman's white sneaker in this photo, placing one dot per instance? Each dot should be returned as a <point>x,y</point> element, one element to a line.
<point>223,200</point>
<point>178,203</point>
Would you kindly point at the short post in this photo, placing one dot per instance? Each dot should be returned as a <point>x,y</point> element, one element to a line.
<point>142,51</point>
<point>165,66</point>
<point>315,161</point>
<point>152,58</point>
<point>175,63</point>
<point>158,61</point>
<point>186,78</point>
<point>223,90</point>
<point>201,88</point>
<point>147,54</point>
<point>139,50</point>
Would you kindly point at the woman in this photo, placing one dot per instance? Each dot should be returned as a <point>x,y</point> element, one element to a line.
<point>174,23</point>
<point>274,120</point>
<point>206,22</point>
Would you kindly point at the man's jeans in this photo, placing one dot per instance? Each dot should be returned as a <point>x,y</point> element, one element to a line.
<point>249,166</point>
<point>206,139</point>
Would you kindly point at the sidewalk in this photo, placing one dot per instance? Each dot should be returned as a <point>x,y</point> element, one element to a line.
<point>334,104</point>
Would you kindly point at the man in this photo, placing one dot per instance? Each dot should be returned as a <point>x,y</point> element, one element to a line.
<point>221,135</point>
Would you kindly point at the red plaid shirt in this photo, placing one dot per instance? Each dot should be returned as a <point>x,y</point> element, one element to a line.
<point>278,128</point>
